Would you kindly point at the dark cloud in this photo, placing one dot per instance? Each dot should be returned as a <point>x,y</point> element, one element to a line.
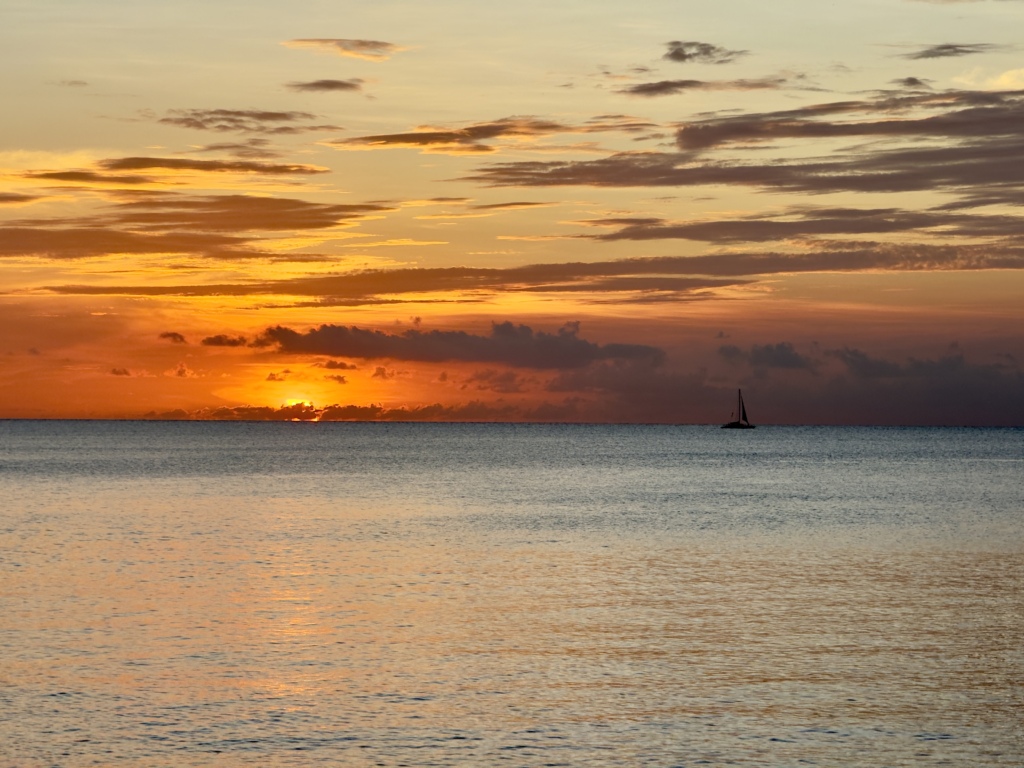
<point>780,355</point>
<point>863,366</point>
<point>336,365</point>
<point>468,139</point>
<point>73,83</point>
<point>120,372</point>
<point>217,213</point>
<point>223,340</point>
<point>173,337</point>
<point>337,379</point>
<point>912,82</point>
<point>672,87</point>
<point>283,376</point>
<point>516,346</point>
<point>89,177</point>
<point>481,137</point>
<point>380,372</point>
<point>507,382</point>
<point>253,149</point>
<point>515,205</point>
<point>977,151</point>
<point>818,222</point>
<point>213,226</point>
<point>946,50</point>
<point>84,242</point>
<point>16,198</point>
<point>674,277</point>
<point>355,84</point>
<point>371,50</point>
<point>689,52</point>
<point>211,166</point>
<point>244,121</point>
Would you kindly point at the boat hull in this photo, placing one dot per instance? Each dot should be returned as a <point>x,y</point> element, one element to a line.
<point>738,425</point>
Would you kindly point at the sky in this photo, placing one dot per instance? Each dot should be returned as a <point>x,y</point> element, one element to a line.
<point>570,211</point>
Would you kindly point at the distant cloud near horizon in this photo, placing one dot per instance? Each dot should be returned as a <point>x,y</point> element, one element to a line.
<point>702,53</point>
<point>370,50</point>
<point>509,344</point>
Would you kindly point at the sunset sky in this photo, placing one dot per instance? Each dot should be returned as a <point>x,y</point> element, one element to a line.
<point>531,211</point>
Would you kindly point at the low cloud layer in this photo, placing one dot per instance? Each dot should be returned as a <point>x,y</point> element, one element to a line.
<point>513,345</point>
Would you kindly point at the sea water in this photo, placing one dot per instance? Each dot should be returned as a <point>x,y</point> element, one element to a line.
<point>294,594</point>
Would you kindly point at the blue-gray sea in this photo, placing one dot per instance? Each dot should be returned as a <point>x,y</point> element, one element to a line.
<point>297,594</point>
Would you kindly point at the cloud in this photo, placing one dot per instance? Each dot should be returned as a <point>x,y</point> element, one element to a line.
<point>516,346</point>
<point>911,82</point>
<point>506,382</point>
<point>780,355</point>
<point>209,166</point>
<point>223,340</point>
<point>947,50</point>
<point>336,365</point>
<point>370,50</point>
<point>863,366</point>
<point>689,52</point>
<point>88,177</point>
<point>244,121</point>
<point>355,84</point>
<point>73,83</point>
<point>85,242</point>
<point>982,156</point>
<point>16,198</point>
<point>803,223</point>
<point>120,372</point>
<point>217,226</point>
<point>337,379</point>
<point>241,213</point>
<point>637,279</point>
<point>672,87</point>
<point>173,337</point>
<point>283,376</point>
<point>380,372</point>
<point>479,138</point>
<point>181,371</point>
<point>252,149</point>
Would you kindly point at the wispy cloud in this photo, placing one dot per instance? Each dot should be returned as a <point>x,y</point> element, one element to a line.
<point>673,87</point>
<point>983,159</point>
<point>950,50</point>
<point>209,166</point>
<point>478,138</point>
<point>244,121</point>
<point>370,50</point>
<point>688,52</point>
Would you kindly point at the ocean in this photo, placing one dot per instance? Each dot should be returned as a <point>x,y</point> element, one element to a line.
<point>303,594</point>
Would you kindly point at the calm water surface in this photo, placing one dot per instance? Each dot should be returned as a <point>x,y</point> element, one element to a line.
<point>236,594</point>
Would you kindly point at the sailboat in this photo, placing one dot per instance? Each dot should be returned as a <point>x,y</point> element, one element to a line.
<point>743,422</point>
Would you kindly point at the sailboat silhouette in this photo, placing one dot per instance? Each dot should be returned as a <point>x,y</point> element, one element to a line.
<point>742,422</point>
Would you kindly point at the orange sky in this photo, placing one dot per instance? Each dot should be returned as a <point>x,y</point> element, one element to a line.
<point>569,213</point>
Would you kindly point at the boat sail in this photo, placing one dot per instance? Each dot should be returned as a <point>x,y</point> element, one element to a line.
<point>743,422</point>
